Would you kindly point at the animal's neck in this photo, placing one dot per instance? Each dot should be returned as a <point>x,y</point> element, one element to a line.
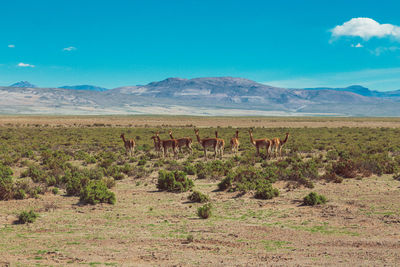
<point>286,138</point>
<point>123,138</point>
<point>170,135</point>
<point>252,139</point>
<point>198,138</point>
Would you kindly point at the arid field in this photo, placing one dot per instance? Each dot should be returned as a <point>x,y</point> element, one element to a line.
<point>53,166</point>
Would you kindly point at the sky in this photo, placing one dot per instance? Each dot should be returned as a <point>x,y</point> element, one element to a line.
<point>290,43</point>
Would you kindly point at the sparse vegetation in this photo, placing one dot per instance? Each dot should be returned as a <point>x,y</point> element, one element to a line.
<point>97,192</point>
<point>173,181</point>
<point>27,217</point>
<point>313,199</point>
<point>197,196</point>
<point>204,211</point>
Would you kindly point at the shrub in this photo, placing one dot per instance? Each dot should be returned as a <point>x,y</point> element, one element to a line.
<point>55,190</point>
<point>27,217</point>
<point>332,155</point>
<point>345,168</point>
<point>330,176</point>
<point>246,178</point>
<point>266,191</point>
<point>197,196</point>
<point>20,194</point>
<point>6,182</point>
<point>189,169</point>
<point>204,212</point>
<point>175,181</point>
<point>314,199</point>
<point>97,192</point>
<point>75,181</point>
<point>108,181</point>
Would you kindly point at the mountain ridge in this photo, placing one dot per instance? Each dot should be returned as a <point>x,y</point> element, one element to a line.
<point>200,96</point>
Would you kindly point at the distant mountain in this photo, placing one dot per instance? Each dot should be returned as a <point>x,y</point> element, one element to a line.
<point>84,87</point>
<point>200,96</point>
<point>360,90</point>
<point>23,84</point>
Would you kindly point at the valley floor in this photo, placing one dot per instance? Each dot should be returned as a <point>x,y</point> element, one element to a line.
<point>360,225</point>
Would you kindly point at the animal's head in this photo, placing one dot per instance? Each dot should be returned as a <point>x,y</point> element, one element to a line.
<point>122,135</point>
<point>251,130</point>
<point>170,132</point>
<point>196,131</point>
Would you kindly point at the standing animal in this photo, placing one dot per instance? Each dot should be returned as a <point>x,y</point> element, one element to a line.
<point>278,143</point>
<point>235,143</point>
<point>220,145</point>
<point>183,142</point>
<point>129,145</point>
<point>157,146</point>
<point>260,143</point>
<point>168,143</point>
<point>207,142</point>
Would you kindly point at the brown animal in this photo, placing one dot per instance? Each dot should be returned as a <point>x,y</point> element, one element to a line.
<point>183,142</point>
<point>168,143</point>
<point>259,143</point>
<point>278,143</point>
<point>220,145</point>
<point>129,145</point>
<point>157,146</point>
<point>235,143</point>
<point>207,142</point>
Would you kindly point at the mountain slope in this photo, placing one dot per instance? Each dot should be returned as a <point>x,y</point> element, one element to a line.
<point>199,96</point>
<point>360,90</point>
<point>84,87</point>
<point>25,84</point>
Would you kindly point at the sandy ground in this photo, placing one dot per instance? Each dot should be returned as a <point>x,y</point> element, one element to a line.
<point>359,226</point>
<point>189,121</point>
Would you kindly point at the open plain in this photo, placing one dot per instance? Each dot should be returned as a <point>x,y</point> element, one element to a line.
<point>353,162</point>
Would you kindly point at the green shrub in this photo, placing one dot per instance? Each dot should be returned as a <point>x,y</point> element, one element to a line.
<point>75,182</point>
<point>204,212</point>
<point>55,190</point>
<point>175,181</point>
<point>266,191</point>
<point>97,192</point>
<point>189,169</point>
<point>20,194</point>
<point>314,199</point>
<point>27,217</point>
<point>6,182</point>
<point>197,196</point>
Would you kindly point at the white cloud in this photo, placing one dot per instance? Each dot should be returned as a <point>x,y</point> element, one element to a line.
<point>70,48</point>
<point>25,65</point>
<point>11,46</point>
<point>357,45</point>
<point>366,28</point>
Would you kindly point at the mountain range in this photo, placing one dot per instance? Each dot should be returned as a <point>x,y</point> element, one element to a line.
<point>200,96</point>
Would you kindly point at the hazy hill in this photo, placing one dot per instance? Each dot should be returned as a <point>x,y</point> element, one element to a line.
<point>84,87</point>
<point>23,84</point>
<point>358,89</point>
<point>199,96</point>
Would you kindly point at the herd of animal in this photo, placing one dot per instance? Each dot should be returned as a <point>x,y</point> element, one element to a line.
<point>162,146</point>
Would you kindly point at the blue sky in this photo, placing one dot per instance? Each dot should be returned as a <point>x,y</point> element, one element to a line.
<point>282,43</point>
